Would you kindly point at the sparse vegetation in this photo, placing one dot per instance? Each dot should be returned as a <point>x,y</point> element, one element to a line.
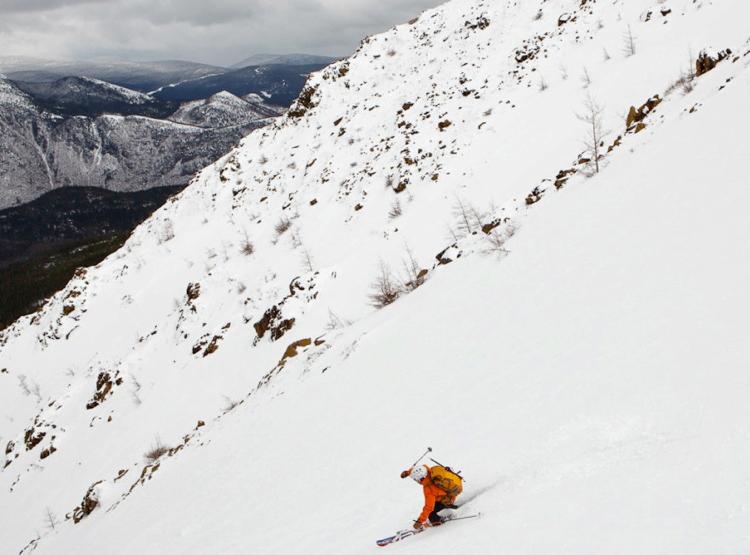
<point>166,231</point>
<point>595,133</point>
<point>334,322</point>
<point>246,247</point>
<point>468,218</point>
<point>586,78</point>
<point>282,226</point>
<point>50,520</point>
<point>629,43</point>
<point>157,450</point>
<point>385,289</point>
<point>497,239</point>
<point>229,404</point>
<point>395,210</point>
<point>414,275</point>
<point>30,389</point>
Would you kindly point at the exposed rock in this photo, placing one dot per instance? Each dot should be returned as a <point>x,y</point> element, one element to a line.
<point>639,114</point>
<point>273,322</point>
<point>87,506</point>
<point>565,18</point>
<point>481,23</point>
<point>705,62</point>
<point>534,196</point>
<point>32,439</point>
<point>104,384</point>
<point>563,176</point>
<point>305,101</point>
<point>291,350</point>
<point>193,291</point>
<point>47,452</point>
<point>213,346</point>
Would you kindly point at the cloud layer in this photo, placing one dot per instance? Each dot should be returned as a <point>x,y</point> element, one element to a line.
<point>220,32</point>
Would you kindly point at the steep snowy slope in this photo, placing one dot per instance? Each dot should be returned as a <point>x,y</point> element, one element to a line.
<point>576,344</point>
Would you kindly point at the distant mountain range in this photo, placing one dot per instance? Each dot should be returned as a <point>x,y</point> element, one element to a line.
<point>141,76</point>
<point>83,96</point>
<point>284,59</point>
<point>87,142</point>
<point>278,84</point>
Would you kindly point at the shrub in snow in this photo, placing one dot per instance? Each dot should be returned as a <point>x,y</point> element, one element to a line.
<point>156,451</point>
<point>385,289</point>
<point>282,226</point>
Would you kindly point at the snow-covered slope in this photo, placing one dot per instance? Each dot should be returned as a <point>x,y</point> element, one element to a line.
<point>224,110</point>
<point>577,345</point>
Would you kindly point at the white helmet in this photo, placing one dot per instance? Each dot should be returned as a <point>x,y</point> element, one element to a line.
<point>418,473</point>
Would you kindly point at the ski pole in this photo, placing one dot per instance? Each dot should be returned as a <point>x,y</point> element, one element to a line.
<point>465,517</point>
<point>429,450</point>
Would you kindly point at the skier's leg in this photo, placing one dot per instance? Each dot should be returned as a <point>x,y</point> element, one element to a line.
<point>434,517</point>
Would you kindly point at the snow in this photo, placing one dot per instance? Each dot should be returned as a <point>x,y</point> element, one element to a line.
<point>129,95</point>
<point>587,370</point>
<point>224,109</point>
<point>12,97</point>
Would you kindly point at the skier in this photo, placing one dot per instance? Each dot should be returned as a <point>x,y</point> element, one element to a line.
<point>441,486</point>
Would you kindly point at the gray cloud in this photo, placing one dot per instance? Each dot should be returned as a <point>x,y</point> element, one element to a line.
<point>19,6</point>
<point>220,31</point>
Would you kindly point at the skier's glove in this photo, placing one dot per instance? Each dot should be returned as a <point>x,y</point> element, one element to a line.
<point>405,473</point>
<point>418,525</point>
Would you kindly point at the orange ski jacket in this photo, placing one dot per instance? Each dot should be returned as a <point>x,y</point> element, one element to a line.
<point>432,495</point>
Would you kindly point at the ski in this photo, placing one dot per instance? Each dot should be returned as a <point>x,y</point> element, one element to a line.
<point>403,534</point>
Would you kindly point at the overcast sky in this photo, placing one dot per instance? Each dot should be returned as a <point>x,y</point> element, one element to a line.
<point>211,31</point>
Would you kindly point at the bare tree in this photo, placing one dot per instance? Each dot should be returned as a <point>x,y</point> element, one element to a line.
<point>282,225</point>
<point>246,246</point>
<point>385,289</point>
<point>23,385</point>
<point>468,218</point>
<point>307,259</point>
<point>586,78</point>
<point>334,322</point>
<point>50,519</point>
<point>629,43</point>
<point>595,133</point>
<point>30,389</point>
<point>136,391</point>
<point>395,210</point>
<point>156,451</point>
<point>414,274</point>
